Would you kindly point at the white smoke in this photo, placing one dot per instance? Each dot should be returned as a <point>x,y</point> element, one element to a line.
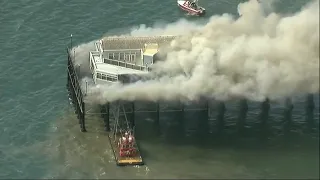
<point>80,52</point>
<point>267,6</point>
<point>255,56</point>
<point>177,28</point>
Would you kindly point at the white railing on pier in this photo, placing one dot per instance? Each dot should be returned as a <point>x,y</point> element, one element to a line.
<point>98,45</point>
<point>120,50</point>
<point>92,60</point>
<point>139,38</point>
<point>126,65</point>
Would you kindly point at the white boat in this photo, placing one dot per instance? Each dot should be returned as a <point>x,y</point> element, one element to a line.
<point>192,7</point>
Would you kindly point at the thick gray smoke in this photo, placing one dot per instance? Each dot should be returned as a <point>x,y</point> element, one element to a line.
<point>254,56</point>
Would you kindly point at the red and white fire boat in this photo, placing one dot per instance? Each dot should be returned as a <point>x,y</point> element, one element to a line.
<point>192,7</point>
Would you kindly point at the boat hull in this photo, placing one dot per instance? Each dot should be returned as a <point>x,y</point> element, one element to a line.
<point>183,5</point>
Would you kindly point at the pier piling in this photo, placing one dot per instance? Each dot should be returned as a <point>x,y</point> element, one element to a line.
<point>105,113</point>
<point>264,116</point>
<point>82,117</point>
<point>310,111</point>
<point>206,110</point>
<point>242,115</point>
<point>181,120</point>
<point>288,115</point>
<point>74,88</point>
<point>220,117</point>
<point>157,120</point>
<point>76,95</point>
<point>156,123</point>
<point>203,122</point>
<point>132,118</point>
<point>182,110</point>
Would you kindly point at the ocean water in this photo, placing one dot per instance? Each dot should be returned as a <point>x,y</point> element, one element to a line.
<point>40,136</point>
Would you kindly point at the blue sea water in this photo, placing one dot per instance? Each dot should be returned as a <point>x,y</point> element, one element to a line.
<point>40,135</point>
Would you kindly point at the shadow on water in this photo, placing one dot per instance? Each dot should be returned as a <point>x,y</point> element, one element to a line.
<point>267,128</point>
<point>234,135</point>
<point>241,125</point>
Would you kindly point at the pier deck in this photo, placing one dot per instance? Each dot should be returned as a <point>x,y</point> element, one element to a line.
<point>109,70</point>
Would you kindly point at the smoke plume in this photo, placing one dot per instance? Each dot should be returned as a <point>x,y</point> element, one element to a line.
<point>254,56</point>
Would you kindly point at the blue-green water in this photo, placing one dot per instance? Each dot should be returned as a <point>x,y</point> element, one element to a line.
<point>40,136</point>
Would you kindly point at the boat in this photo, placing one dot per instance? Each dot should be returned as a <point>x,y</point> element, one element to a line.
<point>125,148</point>
<point>192,7</point>
<point>123,142</point>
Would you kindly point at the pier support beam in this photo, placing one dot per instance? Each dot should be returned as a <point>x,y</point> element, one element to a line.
<point>288,115</point>
<point>242,116</point>
<point>108,117</point>
<point>76,95</point>
<point>82,117</point>
<point>264,116</point>
<point>206,118</point>
<point>310,111</point>
<point>207,110</point>
<point>102,110</point>
<point>105,113</point>
<point>157,119</point>
<point>77,110</point>
<point>203,123</point>
<point>68,84</point>
<point>182,110</point>
<point>132,118</point>
<point>220,117</point>
<point>182,120</point>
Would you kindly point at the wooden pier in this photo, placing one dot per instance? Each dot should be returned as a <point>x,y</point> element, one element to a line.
<point>109,114</point>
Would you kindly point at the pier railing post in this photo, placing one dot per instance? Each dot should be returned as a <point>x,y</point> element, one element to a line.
<point>68,70</point>
<point>71,41</point>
